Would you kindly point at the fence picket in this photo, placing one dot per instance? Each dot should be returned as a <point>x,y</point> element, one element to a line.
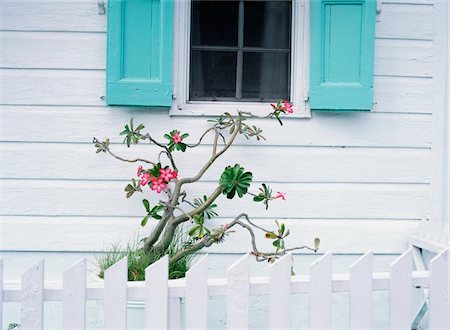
<point>1,292</point>
<point>320,292</point>
<point>197,295</point>
<point>361,292</point>
<point>32,308</point>
<point>280,293</point>
<point>115,301</point>
<point>439,292</point>
<point>238,292</point>
<point>156,294</point>
<point>400,287</point>
<point>74,296</point>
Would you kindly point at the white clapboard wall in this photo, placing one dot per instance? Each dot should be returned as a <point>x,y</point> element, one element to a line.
<point>358,181</point>
<point>162,297</point>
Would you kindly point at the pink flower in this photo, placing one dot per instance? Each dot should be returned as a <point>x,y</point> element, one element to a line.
<point>281,195</point>
<point>145,179</point>
<point>287,107</point>
<point>139,171</point>
<point>176,137</point>
<point>167,174</point>
<point>158,185</point>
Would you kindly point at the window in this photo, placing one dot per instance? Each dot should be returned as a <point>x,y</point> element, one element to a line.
<point>245,52</point>
<point>240,50</point>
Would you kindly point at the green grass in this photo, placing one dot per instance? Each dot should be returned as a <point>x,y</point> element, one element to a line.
<point>138,261</point>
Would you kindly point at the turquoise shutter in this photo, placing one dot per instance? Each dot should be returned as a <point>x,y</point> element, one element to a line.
<point>342,54</point>
<point>139,52</point>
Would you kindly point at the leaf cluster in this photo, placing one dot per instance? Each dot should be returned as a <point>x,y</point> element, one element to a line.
<point>152,212</point>
<point>199,230</point>
<point>279,236</point>
<point>172,146</point>
<point>102,146</point>
<point>132,135</point>
<point>132,187</point>
<point>265,195</point>
<point>234,180</point>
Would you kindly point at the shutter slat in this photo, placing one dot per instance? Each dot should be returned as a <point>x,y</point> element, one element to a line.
<point>139,52</point>
<point>342,54</point>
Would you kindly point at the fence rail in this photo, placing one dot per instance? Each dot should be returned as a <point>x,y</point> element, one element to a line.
<point>162,297</point>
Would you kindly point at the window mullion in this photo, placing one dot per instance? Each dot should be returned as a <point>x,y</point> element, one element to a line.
<point>240,53</point>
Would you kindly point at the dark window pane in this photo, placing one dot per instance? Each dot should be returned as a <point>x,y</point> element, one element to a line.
<point>213,74</point>
<point>267,24</point>
<point>214,23</point>
<point>266,76</point>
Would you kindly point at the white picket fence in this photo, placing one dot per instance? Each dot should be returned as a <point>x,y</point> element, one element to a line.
<point>162,297</point>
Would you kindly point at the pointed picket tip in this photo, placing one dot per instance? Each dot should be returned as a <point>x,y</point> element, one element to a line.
<point>78,266</point>
<point>323,259</point>
<point>120,265</point>
<point>443,255</point>
<point>200,265</point>
<point>405,257</point>
<point>241,262</point>
<point>363,260</point>
<point>160,265</point>
<point>282,262</point>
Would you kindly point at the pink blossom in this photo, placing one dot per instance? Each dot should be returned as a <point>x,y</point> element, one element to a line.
<point>139,171</point>
<point>145,179</point>
<point>287,107</point>
<point>281,195</point>
<point>158,185</point>
<point>176,137</point>
<point>167,174</point>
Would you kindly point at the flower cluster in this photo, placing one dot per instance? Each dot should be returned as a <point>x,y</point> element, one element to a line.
<point>282,107</point>
<point>158,178</point>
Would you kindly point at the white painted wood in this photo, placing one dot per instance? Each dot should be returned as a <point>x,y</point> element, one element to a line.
<point>124,229</point>
<point>74,296</point>
<point>400,287</point>
<point>361,272</point>
<point>174,310</point>
<point>86,51</point>
<point>66,15</point>
<point>1,291</point>
<point>197,295</point>
<point>280,293</point>
<point>156,295</point>
<point>318,200</point>
<point>238,291</point>
<point>320,291</point>
<point>439,317</point>
<point>115,301</point>
<point>32,298</point>
<point>381,165</point>
<point>69,124</point>
<point>86,87</point>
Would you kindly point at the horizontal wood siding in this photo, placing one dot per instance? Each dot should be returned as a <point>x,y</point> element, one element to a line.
<point>359,181</point>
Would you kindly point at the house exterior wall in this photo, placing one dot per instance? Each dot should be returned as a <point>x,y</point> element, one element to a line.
<point>358,181</point>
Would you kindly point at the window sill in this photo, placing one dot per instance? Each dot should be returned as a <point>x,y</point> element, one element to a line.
<point>211,109</point>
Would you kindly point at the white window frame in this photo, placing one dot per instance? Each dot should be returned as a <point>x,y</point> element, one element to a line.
<point>181,106</point>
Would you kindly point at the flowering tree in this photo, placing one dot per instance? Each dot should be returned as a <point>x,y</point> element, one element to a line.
<point>176,208</point>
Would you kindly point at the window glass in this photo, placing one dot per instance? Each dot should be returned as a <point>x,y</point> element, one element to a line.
<point>240,50</point>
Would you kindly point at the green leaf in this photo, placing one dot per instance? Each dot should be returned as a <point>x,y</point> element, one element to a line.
<point>146,205</point>
<point>234,180</point>
<point>144,221</point>
<point>271,235</point>
<point>258,198</point>
<point>276,243</point>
